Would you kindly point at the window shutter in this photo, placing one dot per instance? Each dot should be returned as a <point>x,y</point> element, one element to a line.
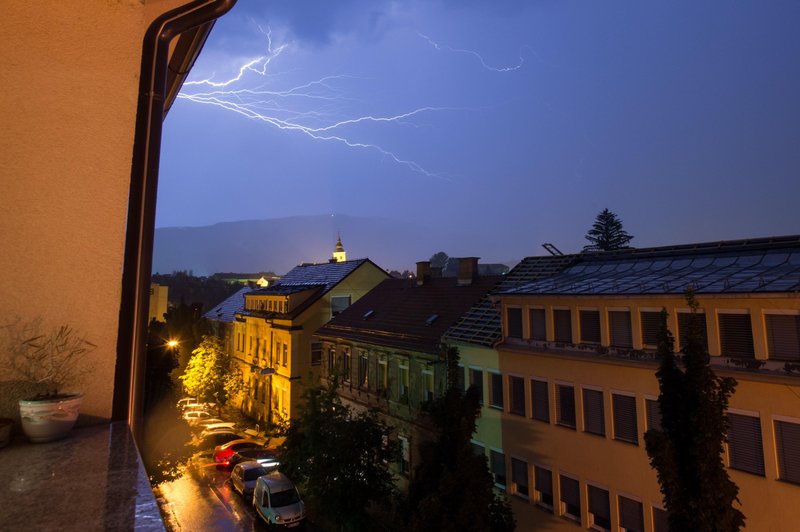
<point>593,415</point>
<point>544,485</point>
<point>496,389</point>
<point>620,328</point>
<point>537,324</point>
<point>653,413</point>
<point>783,336</point>
<point>541,400</point>
<point>514,320</point>
<point>517,395</point>
<point>498,467</point>
<point>625,426</point>
<point>565,405</point>
<point>736,335</point>
<point>631,514</point>
<point>651,325</point>
<point>685,322</point>
<point>519,475</point>
<point>590,326</point>
<point>571,493</point>
<point>599,506</point>
<point>787,443</point>
<point>660,520</point>
<point>745,448</point>
<point>562,325</point>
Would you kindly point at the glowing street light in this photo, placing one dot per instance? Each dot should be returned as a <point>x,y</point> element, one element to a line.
<point>172,344</point>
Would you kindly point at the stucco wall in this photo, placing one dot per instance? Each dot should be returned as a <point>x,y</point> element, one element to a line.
<point>69,72</point>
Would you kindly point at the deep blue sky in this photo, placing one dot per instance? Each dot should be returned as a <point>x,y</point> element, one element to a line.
<point>681,117</point>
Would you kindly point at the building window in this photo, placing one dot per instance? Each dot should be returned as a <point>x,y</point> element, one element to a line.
<point>543,479</point>
<point>687,320</point>
<point>383,375</point>
<point>619,328</point>
<point>599,508</point>
<point>514,321</point>
<point>516,395</point>
<point>631,515</point>
<point>403,384</point>
<point>562,326</point>
<point>338,304</point>
<point>565,405</point>
<point>476,380</point>
<point>460,378</point>
<point>736,335</point>
<point>363,370</point>
<point>783,336</point>
<point>405,456</point>
<point>787,446</point>
<point>625,425</point>
<point>570,498</point>
<point>427,382</point>
<point>540,401</point>
<point>478,449</point>
<point>651,326</point>
<point>498,464</point>
<point>594,420</point>
<point>536,319</point>
<point>346,367</point>
<point>519,477</point>
<point>496,390</point>
<point>316,354</point>
<point>660,520</point>
<point>745,449</point>
<point>653,413</point>
<point>590,326</point>
<point>331,361</point>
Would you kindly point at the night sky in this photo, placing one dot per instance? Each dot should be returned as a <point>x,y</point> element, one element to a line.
<point>505,124</point>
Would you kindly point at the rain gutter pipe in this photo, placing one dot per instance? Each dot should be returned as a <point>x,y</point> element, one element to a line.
<point>192,21</point>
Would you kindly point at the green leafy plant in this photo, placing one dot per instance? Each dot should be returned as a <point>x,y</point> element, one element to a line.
<point>50,358</point>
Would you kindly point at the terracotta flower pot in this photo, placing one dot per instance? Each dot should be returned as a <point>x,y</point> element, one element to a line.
<point>49,419</point>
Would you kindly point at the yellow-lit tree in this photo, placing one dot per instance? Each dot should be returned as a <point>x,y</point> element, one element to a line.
<point>212,375</point>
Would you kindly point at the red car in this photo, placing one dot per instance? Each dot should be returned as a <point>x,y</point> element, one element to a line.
<point>223,453</point>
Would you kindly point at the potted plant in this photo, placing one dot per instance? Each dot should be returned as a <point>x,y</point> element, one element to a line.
<point>51,360</point>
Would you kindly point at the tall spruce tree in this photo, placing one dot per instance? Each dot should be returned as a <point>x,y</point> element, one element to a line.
<point>607,233</point>
<point>452,489</point>
<point>687,452</point>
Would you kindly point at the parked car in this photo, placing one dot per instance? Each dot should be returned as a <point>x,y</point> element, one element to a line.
<point>184,402</point>
<point>223,453</point>
<point>193,417</point>
<point>219,425</point>
<point>277,501</point>
<point>265,457</point>
<point>244,476</point>
<point>215,439</point>
<point>202,424</point>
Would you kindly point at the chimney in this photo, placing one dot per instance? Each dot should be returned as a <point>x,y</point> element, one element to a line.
<point>467,270</point>
<point>423,272</point>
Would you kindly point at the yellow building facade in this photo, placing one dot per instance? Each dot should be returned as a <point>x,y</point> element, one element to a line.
<point>272,336</point>
<point>574,386</point>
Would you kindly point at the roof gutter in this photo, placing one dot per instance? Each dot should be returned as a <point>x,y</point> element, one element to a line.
<point>195,20</point>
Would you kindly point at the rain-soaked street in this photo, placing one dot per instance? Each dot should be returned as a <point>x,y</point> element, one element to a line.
<point>202,499</point>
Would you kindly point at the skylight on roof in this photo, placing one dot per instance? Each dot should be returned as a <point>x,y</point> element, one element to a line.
<point>431,319</point>
<point>368,314</point>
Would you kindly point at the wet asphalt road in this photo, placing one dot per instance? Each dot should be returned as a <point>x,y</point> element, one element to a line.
<point>203,500</point>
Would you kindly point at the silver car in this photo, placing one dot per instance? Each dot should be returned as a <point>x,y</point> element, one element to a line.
<point>277,501</point>
<point>245,475</point>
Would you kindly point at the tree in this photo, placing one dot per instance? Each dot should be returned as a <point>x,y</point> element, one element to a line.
<point>339,458</point>
<point>452,489</point>
<point>687,452</point>
<point>212,375</point>
<point>439,259</point>
<point>607,233</point>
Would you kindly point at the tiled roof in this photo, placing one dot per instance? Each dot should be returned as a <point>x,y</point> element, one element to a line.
<point>402,315</point>
<point>327,274</point>
<point>746,266</point>
<point>481,324</point>
<point>226,310</point>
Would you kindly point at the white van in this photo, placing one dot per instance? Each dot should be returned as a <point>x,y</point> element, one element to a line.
<point>277,501</point>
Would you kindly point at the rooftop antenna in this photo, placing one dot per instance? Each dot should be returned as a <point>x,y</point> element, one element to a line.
<point>551,249</point>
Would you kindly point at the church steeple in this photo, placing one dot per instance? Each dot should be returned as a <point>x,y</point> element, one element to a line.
<point>339,255</point>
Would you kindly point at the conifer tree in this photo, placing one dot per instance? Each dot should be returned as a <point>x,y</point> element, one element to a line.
<point>687,452</point>
<point>607,233</point>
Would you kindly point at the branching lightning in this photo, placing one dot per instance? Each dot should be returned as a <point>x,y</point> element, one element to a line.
<point>289,109</point>
<point>479,57</point>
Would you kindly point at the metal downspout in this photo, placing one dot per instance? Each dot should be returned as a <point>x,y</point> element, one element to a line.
<point>137,265</point>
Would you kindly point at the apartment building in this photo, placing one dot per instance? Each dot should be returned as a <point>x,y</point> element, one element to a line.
<point>387,348</point>
<point>575,388</point>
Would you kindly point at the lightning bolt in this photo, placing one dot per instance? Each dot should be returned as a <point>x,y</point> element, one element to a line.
<point>288,109</point>
<point>479,57</point>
